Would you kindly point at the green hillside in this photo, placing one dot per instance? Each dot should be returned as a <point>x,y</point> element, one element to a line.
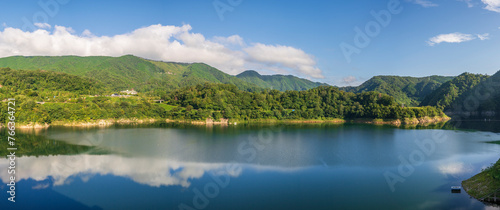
<point>41,84</point>
<point>482,101</point>
<point>406,90</point>
<point>325,102</point>
<point>451,90</point>
<point>127,72</point>
<point>278,82</point>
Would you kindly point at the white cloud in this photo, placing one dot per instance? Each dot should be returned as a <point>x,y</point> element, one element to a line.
<point>43,25</point>
<point>455,38</point>
<point>87,33</point>
<point>483,36</point>
<point>492,5</point>
<point>424,3</point>
<point>284,57</point>
<point>158,42</point>
<point>231,40</point>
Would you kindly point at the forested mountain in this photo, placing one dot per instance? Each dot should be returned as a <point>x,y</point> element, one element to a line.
<point>325,102</point>
<point>451,90</point>
<point>278,82</point>
<point>127,72</point>
<point>69,98</point>
<point>406,90</point>
<point>482,101</point>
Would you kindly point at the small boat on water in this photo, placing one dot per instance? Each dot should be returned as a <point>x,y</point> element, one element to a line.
<point>456,189</point>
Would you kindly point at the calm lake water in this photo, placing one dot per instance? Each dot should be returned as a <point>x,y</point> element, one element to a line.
<point>171,166</point>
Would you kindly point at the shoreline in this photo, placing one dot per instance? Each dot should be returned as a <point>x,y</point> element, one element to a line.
<point>483,185</point>
<point>425,121</point>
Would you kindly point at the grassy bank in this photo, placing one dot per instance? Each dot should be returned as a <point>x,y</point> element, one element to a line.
<point>484,183</point>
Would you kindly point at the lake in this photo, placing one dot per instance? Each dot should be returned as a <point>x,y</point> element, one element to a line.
<point>173,166</point>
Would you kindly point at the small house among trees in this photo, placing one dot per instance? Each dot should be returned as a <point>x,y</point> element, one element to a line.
<point>129,92</point>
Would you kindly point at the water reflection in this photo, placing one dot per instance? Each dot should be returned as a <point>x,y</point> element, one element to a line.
<point>455,168</point>
<point>149,171</point>
<point>280,146</point>
<point>154,172</point>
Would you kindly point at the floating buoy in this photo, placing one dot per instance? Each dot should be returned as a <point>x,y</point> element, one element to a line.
<point>456,189</point>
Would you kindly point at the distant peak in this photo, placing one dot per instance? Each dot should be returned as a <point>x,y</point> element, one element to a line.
<point>129,56</point>
<point>249,73</point>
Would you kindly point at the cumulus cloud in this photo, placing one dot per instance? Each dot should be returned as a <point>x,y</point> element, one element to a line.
<point>492,5</point>
<point>455,38</point>
<point>168,43</point>
<point>234,40</point>
<point>424,3</point>
<point>43,25</point>
<point>284,57</point>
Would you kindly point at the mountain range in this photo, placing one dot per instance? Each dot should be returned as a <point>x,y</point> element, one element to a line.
<point>406,90</point>
<point>127,72</point>
<point>157,77</point>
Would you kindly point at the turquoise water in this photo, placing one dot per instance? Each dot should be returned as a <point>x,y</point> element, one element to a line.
<point>250,167</point>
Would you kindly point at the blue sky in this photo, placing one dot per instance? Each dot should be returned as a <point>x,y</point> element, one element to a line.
<point>427,37</point>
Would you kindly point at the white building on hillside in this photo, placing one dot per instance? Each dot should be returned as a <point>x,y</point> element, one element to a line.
<point>129,92</point>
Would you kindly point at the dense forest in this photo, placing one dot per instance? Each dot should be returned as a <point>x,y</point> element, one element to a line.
<point>85,110</point>
<point>324,102</point>
<point>444,96</point>
<point>406,90</point>
<point>41,84</point>
<point>278,82</point>
<point>481,101</point>
<point>47,97</point>
<point>78,88</point>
